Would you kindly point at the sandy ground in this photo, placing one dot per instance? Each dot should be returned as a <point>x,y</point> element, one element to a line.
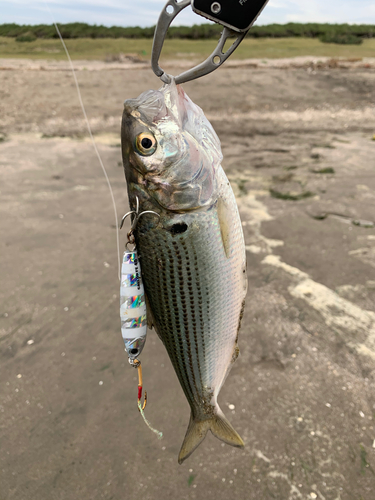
<point>298,151</point>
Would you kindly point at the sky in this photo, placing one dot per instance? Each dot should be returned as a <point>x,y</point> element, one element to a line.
<point>146,12</point>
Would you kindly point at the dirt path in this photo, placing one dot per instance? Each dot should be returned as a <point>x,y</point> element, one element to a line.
<point>297,148</point>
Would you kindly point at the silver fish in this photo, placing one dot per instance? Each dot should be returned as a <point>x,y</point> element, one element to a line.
<point>193,258</point>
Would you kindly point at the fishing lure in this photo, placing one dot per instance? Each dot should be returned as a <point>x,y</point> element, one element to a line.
<point>132,305</point>
<point>133,311</point>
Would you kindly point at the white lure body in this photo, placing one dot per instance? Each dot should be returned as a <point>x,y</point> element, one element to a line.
<point>132,305</point>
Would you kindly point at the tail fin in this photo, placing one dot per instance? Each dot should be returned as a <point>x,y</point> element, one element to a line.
<point>197,430</point>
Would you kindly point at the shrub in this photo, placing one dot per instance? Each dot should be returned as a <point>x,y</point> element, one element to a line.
<point>344,39</point>
<point>26,37</point>
<point>329,33</point>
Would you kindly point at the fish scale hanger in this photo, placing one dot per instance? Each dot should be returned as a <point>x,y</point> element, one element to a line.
<point>236,16</point>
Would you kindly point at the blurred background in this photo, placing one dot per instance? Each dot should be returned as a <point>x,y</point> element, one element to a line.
<point>294,110</point>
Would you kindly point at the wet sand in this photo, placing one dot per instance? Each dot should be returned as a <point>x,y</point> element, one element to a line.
<point>297,148</point>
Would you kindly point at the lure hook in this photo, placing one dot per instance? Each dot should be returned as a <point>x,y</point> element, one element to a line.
<point>137,364</point>
<point>137,216</point>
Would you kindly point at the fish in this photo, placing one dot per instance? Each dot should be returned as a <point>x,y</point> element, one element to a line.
<point>192,254</point>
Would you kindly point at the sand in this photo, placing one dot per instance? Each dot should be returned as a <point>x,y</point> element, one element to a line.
<point>298,149</point>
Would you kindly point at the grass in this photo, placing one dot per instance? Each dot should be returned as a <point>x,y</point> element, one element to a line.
<point>191,479</point>
<point>104,48</point>
<point>105,367</point>
<point>364,463</point>
<point>290,196</point>
<point>292,167</point>
<point>328,170</point>
<point>241,184</point>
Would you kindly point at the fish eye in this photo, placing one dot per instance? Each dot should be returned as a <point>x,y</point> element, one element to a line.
<point>145,144</point>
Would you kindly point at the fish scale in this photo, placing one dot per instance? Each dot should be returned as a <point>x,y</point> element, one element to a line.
<point>194,344</point>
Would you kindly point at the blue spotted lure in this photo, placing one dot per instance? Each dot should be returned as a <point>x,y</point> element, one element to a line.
<point>132,305</point>
<point>132,295</point>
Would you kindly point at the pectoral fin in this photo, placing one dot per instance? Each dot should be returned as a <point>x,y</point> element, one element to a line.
<point>150,317</point>
<point>225,224</point>
<point>236,352</point>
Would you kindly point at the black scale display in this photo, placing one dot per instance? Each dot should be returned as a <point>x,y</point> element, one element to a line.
<point>237,15</point>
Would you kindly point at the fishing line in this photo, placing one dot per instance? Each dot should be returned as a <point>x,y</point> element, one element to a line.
<point>140,407</point>
<point>91,137</point>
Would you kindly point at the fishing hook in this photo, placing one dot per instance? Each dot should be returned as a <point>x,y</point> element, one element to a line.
<point>137,216</point>
<point>137,364</point>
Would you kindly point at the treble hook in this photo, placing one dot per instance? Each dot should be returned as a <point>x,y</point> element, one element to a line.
<point>137,216</point>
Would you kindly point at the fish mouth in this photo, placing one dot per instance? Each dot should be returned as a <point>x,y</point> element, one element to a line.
<point>131,107</point>
<point>150,106</point>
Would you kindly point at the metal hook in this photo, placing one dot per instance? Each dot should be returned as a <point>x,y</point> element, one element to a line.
<point>137,216</point>
<point>132,212</point>
<point>144,401</point>
<point>171,9</point>
<point>137,364</point>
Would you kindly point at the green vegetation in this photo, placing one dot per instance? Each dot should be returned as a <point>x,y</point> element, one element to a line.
<point>344,39</point>
<point>328,170</point>
<point>191,479</point>
<point>330,33</point>
<point>26,37</point>
<point>364,463</point>
<point>109,49</point>
<point>290,196</point>
<point>86,41</point>
<point>105,367</point>
<point>241,184</point>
